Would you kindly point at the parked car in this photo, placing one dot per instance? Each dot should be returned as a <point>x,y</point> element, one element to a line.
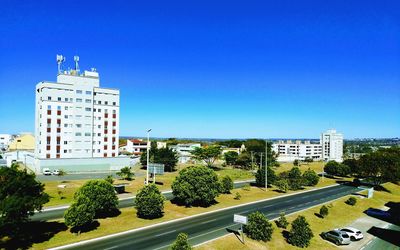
<point>337,237</point>
<point>46,171</point>
<point>56,172</point>
<point>354,233</point>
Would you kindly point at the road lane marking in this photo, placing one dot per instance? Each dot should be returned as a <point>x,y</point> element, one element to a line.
<point>208,221</point>
<point>166,233</point>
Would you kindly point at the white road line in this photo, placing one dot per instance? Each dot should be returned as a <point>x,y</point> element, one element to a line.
<point>166,233</point>
<point>111,248</point>
<point>208,221</point>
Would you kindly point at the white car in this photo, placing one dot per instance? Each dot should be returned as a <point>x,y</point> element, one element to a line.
<point>56,172</point>
<point>354,233</point>
<point>46,171</point>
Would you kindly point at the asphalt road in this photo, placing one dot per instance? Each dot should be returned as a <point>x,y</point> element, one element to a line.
<point>211,225</point>
<point>56,213</point>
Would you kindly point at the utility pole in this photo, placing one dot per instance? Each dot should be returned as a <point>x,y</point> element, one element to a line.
<point>252,163</point>
<point>148,152</point>
<point>261,162</point>
<point>266,165</point>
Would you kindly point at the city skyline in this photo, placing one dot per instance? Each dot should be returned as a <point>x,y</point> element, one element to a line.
<point>230,71</point>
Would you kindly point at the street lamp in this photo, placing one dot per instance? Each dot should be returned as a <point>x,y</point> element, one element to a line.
<point>148,151</point>
<point>266,164</point>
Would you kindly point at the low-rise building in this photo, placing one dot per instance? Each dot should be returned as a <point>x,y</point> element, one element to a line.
<point>288,151</point>
<point>5,140</point>
<point>25,141</point>
<point>184,151</point>
<point>136,146</point>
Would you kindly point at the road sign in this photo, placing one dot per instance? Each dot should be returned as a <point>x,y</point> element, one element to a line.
<point>370,193</point>
<point>240,219</point>
<point>156,168</point>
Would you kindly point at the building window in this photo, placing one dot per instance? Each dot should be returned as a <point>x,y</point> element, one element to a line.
<point>106,103</point>
<point>78,134</point>
<point>87,134</point>
<point>88,92</point>
<point>66,116</point>
<point>66,99</point>
<point>88,101</point>
<point>78,100</point>
<point>88,109</point>
<point>47,156</point>
<point>65,151</point>
<point>99,102</point>
<point>49,98</point>
<point>114,103</point>
<point>79,91</point>
<point>48,121</point>
<point>65,142</point>
<point>79,125</point>
<point>65,108</point>
<point>59,99</point>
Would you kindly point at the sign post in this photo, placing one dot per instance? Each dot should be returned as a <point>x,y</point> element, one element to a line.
<point>156,168</point>
<point>243,221</point>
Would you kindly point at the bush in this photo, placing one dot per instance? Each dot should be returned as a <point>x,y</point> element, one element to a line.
<point>310,178</point>
<point>282,185</point>
<point>323,211</point>
<point>300,234</point>
<point>149,202</point>
<point>351,201</point>
<point>246,187</point>
<point>258,227</point>
<point>109,179</point>
<point>181,243</point>
<point>100,194</point>
<point>125,173</point>
<point>260,177</point>
<point>296,163</point>
<point>79,214</point>
<point>282,221</point>
<point>237,196</point>
<point>226,185</point>
<point>196,185</point>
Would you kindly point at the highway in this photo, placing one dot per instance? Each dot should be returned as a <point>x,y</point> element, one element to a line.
<point>57,213</point>
<point>208,226</point>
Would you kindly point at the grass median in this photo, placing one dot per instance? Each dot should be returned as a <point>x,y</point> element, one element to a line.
<point>340,214</point>
<point>128,220</point>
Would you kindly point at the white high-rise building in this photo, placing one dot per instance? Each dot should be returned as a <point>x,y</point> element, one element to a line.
<point>75,118</point>
<point>332,146</point>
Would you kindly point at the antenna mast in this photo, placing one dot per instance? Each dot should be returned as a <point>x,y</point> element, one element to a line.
<point>76,59</point>
<point>60,60</point>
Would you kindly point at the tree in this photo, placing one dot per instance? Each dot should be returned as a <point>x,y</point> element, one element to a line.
<point>244,160</point>
<point>61,173</point>
<point>109,179</point>
<point>335,168</point>
<point>79,214</point>
<point>282,221</point>
<point>100,194</point>
<point>260,176</point>
<point>296,163</point>
<point>20,196</point>
<point>282,184</point>
<point>196,185</point>
<point>258,227</point>
<point>165,156</point>
<point>181,243</point>
<point>149,202</point>
<point>300,234</point>
<point>258,146</point>
<point>295,178</point>
<point>125,173</point>
<point>310,177</point>
<point>226,185</point>
<point>308,159</point>
<point>323,211</point>
<point>231,157</point>
<point>208,154</point>
<point>353,165</point>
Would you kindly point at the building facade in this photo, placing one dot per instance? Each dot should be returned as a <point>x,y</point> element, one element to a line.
<point>184,151</point>
<point>5,140</point>
<point>75,118</point>
<point>332,146</point>
<point>136,146</point>
<point>24,141</point>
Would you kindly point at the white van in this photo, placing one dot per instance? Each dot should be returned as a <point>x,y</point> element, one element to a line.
<point>46,171</point>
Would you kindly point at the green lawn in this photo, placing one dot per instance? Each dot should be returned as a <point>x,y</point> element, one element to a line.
<point>340,214</point>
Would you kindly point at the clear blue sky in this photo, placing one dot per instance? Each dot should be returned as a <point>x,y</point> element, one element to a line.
<point>232,69</point>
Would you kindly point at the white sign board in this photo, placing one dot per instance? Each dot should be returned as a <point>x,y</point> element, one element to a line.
<point>370,193</point>
<point>240,219</point>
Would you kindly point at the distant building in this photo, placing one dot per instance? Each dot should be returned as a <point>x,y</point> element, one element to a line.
<point>332,146</point>
<point>184,151</point>
<point>5,140</point>
<point>25,141</point>
<point>136,146</point>
<point>161,144</point>
<point>299,150</point>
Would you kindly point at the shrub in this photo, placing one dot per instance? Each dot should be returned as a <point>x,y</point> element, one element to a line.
<point>196,185</point>
<point>300,233</point>
<point>125,173</point>
<point>351,201</point>
<point>100,194</point>
<point>310,178</point>
<point>181,243</point>
<point>226,185</point>
<point>246,187</point>
<point>109,179</point>
<point>282,185</point>
<point>258,227</point>
<point>79,214</point>
<point>282,221</point>
<point>237,196</point>
<point>149,202</point>
<point>323,211</point>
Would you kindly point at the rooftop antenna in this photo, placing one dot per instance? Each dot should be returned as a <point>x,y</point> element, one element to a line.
<point>60,60</point>
<point>76,59</point>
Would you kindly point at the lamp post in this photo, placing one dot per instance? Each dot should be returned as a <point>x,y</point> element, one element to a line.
<point>148,151</point>
<point>266,164</point>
